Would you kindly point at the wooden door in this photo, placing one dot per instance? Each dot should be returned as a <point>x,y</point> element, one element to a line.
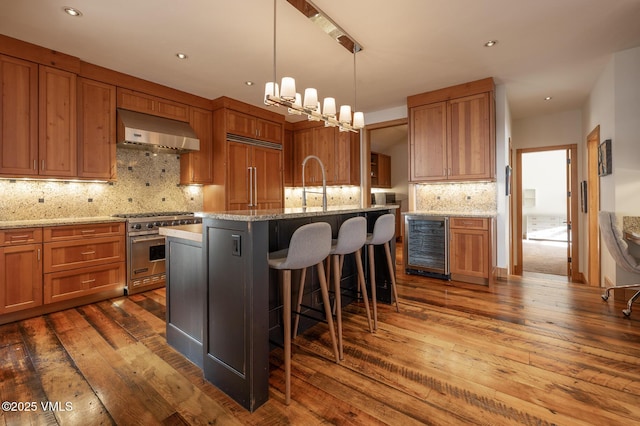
<point>57,118</point>
<point>428,142</point>
<point>96,130</point>
<point>21,277</point>
<point>18,117</point>
<point>469,142</point>
<point>268,186</point>
<point>468,252</point>
<point>384,171</point>
<point>239,176</point>
<point>197,166</point>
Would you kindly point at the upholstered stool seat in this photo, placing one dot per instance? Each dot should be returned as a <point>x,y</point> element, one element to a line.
<point>383,231</point>
<point>310,244</point>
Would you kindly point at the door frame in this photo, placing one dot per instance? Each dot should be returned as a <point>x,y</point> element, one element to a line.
<point>573,183</point>
<point>593,207</point>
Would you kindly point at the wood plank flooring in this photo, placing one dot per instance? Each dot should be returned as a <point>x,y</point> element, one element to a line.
<point>525,351</point>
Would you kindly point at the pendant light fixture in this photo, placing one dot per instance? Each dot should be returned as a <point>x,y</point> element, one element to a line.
<point>286,95</point>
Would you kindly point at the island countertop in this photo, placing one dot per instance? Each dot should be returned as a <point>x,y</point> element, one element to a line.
<point>456,213</point>
<point>289,213</point>
<point>191,232</point>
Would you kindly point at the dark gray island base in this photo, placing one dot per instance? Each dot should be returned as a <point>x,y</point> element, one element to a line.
<point>242,301</point>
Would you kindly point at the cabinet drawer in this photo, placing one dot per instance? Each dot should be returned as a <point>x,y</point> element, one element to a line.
<point>65,255</point>
<point>141,102</point>
<point>469,223</point>
<point>76,232</point>
<point>11,237</point>
<point>81,282</point>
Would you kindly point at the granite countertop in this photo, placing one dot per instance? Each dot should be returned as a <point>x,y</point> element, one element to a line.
<point>185,232</point>
<point>289,213</point>
<point>35,223</point>
<point>452,213</point>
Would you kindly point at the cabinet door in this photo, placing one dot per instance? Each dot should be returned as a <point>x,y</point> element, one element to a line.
<point>141,102</point>
<point>469,252</point>
<point>239,176</point>
<point>347,158</point>
<point>21,277</point>
<point>240,124</point>
<point>384,171</point>
<point>428,142</point>
<point>288,158</point>
<point>324,148</point>
<point>96,130</point>
<point>57,118</point>
<point>268,186</point>
<point>18,117</point>
<point>302,146</point>
<point>197,167</point>
<point>269,131</point>
<point>470,146</point>
<point>74,283</point>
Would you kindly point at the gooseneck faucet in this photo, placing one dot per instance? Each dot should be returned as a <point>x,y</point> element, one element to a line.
<point>324,183</point>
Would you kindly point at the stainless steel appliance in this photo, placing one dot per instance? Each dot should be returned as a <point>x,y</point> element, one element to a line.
<point>426,246</point>
<point>146,247</point>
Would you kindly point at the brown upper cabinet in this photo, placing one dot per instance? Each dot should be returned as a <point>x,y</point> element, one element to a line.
<point>250,126</point>
<point>452,133</point>
<point>96,130</point>
<point>338,151</point>
<point>149,104</point>
<point>197,167</point>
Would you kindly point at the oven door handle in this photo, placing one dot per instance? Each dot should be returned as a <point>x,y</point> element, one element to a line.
<point>148,238</point>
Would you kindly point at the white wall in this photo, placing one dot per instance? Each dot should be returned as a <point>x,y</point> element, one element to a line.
<point>503,135</point>
<point>546,172</point>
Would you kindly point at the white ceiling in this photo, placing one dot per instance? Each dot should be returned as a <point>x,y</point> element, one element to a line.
<point>545,47</point>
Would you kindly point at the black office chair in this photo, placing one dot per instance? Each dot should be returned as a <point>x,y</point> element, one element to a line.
<point>619,249</point>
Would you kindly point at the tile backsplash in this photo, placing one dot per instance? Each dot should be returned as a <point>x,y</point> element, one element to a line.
<point>463,197</point>
<point>336,196</point>
<point>146,182</point>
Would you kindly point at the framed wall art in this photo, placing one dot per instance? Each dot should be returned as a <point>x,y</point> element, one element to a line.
<point>604,158</point>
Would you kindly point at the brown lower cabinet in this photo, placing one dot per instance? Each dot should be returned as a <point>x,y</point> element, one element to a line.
<point>53,268</point>
<point>21,266</point>
<point>471,249</point>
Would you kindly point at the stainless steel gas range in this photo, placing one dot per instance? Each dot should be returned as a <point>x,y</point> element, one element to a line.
<point>146,247</point>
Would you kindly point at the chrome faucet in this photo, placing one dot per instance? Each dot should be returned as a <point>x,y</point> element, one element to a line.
<point>324,183</point>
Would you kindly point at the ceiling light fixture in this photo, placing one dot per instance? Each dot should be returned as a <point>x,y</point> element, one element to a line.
<point>249,83</point>
<point>181,55</point>
<point>72,11</point>
<point>548,98</point>
<point>286,95</point>
<point>491,43</point>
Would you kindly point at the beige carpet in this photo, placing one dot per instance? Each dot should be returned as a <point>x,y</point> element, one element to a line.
<point>545,257</point>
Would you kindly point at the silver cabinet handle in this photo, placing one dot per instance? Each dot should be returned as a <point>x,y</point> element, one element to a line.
<point>250,186</point>
<point>86,253</point>
<point>255,187</point>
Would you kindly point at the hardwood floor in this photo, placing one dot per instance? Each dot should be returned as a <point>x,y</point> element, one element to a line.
<point>525,351</point>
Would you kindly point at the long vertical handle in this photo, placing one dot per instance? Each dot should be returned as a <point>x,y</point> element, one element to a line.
<point>255,186</point>
<point>250,186</point>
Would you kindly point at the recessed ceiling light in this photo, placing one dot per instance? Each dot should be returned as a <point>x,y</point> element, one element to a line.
<point>491,43</point>
<point>181,55</point>
<point>548,98</point>
<point>249,83</point>
<point>71,11</point>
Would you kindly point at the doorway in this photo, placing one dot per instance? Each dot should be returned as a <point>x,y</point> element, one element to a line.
<point>546,210</point>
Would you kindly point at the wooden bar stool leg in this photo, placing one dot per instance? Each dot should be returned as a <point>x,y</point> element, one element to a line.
<point>337,271</point>
<point>362,286</point>
<point>327,309</point>
<point>286,294</point>
<point>372,280</point>
<point>296,323</point>
<point>387,250</point>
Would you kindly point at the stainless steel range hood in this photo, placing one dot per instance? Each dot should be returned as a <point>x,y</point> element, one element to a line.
<point>148,132</point>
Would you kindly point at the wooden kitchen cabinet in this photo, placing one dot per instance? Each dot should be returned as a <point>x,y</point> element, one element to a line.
<point>21,269</point>
<point>81,260</point>
<point>380,170</point>
<point>18,117</point>
<point>96,130</point>
<point>452,133</point>
<point>242,124</point>
<point>57,117</point>
<point>471,249</point>
<point>338,151</point>
<point>197,167</point>
<point>288,163</point>
<point>149,104</point>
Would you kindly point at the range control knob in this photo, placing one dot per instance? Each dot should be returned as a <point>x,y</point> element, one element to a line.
<point>174,223</point>
<point>137,226</point>
<point>149,225</point>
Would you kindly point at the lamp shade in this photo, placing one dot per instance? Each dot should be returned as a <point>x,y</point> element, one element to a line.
<point>329,107</point>
<point>358,120</point>
<point>270,89</point>
<point>345,114</point>
<point>288,89</point>
<point>310,98</point>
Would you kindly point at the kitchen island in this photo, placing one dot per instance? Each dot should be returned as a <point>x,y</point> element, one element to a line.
<point>242,300</point>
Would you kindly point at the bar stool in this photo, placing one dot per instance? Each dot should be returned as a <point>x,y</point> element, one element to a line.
<point>310,245</point>
<point>351,238</point>
<point>383,231</point>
